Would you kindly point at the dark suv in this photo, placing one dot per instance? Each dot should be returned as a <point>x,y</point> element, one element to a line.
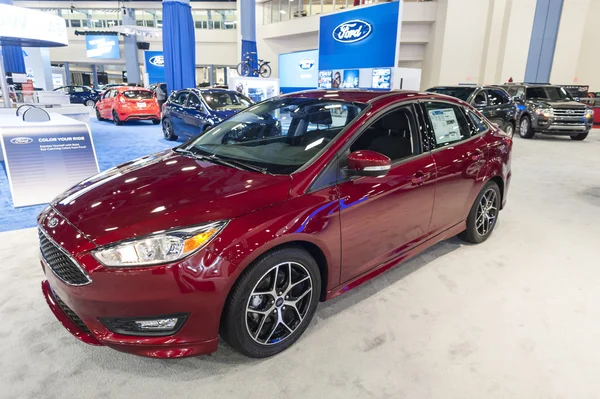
<point>550,110</point>
<point>491,101</point>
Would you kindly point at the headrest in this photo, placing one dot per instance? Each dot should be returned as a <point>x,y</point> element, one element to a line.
<point>395,121</point>
<point>320,117</point>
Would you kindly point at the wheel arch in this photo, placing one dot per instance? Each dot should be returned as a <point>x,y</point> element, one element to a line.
<point>500,182</point>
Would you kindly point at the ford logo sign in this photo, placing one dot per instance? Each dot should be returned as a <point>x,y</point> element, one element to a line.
<point>306,64</point>
<point>352,31</point>
<point>21,140</point>
<point>157,60</point>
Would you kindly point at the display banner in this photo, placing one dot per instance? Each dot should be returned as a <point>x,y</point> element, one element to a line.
<point>31,28</point>
<point>365,37</point>
<point>102,46</point>
<point>44,159</point>
<point>298,71</point>
<point>155,66</point>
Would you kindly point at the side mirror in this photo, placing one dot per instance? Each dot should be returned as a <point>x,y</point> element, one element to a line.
<point>368,163</point>
<point>517,99</point>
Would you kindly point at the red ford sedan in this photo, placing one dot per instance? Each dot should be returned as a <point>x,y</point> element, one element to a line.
<point>125,103</point>
<point>242,231</point>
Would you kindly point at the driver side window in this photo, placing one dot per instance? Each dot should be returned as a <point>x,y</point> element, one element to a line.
<point>392,135</point>
<point>480,100</point>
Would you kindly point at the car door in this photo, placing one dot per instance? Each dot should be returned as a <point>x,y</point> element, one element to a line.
<point>381,217</point>
<point>460,155</point>
<point>107,103</point>
<point>193,117</point>
<point>501,107</point>
<point>479,100</point>
<point>77,94</point>
<point>177,109</point>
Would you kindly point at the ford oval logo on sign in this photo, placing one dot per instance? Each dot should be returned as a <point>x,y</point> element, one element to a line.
<point>352,31</point>
<point>157,60</point>
<point>306,64</point>
<point>21,140</point>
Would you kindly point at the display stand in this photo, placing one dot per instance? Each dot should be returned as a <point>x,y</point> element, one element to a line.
<point>258,89</point>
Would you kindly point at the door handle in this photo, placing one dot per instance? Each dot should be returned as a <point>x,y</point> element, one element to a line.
<point>478,155</point>
<point>419,178</point>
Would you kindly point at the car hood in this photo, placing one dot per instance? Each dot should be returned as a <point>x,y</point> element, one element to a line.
<point>561,104</point>
<point>163,191</point>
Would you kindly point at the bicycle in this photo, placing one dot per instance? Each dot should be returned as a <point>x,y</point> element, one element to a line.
<point>245,68</point>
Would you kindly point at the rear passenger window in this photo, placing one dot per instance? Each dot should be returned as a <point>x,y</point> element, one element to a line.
<point>448,123</point>
<point>478,124</point>
<point>496,97</point>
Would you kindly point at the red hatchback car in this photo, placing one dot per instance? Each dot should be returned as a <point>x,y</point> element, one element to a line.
<point>125,103</point>
<point>242,231</point>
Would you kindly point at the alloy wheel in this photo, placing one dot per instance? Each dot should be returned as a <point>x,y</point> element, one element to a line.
<point>166,128</point>
<point>524,126</point>
<point>510,130</point>
<point>487,212</point>
<point>278,303</point>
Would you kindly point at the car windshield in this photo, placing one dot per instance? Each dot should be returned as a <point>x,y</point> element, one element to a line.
<point>548,93</point>
<point>278,135</point>
<point>224,100</point>
<point>138,94</point>
<point>459,92</point>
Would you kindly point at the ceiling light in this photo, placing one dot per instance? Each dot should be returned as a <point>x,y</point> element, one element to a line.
<point>282,11</point>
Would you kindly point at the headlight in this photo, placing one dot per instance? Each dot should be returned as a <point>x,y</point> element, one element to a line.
<point>158,248</point>
<point>589,113</point>
<point>546,112</point>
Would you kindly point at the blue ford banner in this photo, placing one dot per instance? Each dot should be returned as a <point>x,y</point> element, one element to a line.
<point>44,159</point>
<point>298,71</point>
<point>155,66</point>
<point>365,37</point>
<point>102,46</point>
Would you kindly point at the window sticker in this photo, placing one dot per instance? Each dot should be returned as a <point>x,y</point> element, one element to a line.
<point>445,125</point>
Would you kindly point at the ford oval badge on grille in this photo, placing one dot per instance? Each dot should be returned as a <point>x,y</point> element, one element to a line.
<point>306,64</point>
<point>352,31</point>
<point>52,223</point>
<point>157,60</point>
<point>21,140</point>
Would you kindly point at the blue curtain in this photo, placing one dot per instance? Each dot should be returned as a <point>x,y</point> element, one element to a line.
<point>179,46</point>
<point>13,59</point>
<point>249,46</point>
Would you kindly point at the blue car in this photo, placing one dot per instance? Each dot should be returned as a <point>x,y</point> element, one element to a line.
<point>81,94</point>
<point>190,112</point>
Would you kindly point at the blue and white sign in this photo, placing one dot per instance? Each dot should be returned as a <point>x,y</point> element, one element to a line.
<point>155,66</point>
<point>364,37</point>
<point>352,31</point>
<point>298,71</point>
<point>45,158</point>
<point>102,46</point>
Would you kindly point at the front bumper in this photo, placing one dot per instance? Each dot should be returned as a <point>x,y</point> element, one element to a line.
<point>561,127</point>
<point>197,286</point>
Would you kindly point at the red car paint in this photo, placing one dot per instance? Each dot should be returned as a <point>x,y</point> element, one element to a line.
<point>355,229</point>
<point>113,101</point>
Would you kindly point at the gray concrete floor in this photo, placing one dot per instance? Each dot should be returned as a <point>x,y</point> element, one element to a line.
<point>515,317</point>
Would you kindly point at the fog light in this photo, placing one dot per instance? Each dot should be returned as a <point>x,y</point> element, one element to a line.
<point>157,325</point>
<point>153,326</point>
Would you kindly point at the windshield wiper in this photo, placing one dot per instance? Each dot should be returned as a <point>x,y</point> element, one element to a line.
<point>236,163</point>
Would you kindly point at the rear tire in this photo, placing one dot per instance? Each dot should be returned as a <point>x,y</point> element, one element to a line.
<point>262,319</point>
<point>168,130</point>
<point>525,130</point>
<point>579,136</point>
<point>100,118</point>
<point>90,103</point>
<point>265,70</point>
<point>116,119</point>
<point>510,129</point>
<point>484,213</point>
<point>155,121</point>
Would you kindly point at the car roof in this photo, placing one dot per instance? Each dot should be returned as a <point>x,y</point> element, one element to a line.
<point>127,88</point>
<point>465,87</point>
<point>366,96</point>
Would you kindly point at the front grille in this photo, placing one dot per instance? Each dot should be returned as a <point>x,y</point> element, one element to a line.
<point>569,112</point>
<point>71,314</point>
<point>60,263</point>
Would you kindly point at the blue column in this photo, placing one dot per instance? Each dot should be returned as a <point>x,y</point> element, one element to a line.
<point>14,62</point>
<point>179,45</point>
<point>248,31</point>
<point>543,41</point>
<point>131,52</point>
<point>94,76</point>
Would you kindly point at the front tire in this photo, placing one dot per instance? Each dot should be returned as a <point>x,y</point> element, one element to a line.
<point>243,69</point>
<point>579,136</point>
<point>483,216</point>
<point>98,116</point>
<point>272,303</point>
<point>525,129</point>
<point>116,119</point>
<point>510,129</point>
<point>155,121</point>
<point>168,130</point>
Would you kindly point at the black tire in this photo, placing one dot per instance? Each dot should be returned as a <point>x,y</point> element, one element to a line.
<point>525,129</point>
<point>168,130</point>
<point>90,103</point>
<point>510,128</point>
<point>579,136</point>
<point>100,118</point>
<point>235,327</point>
<point>155,121</point>
<point>116,119</point>
<point>476,232</point>
<point>243,69</point>
<point>265,71</point>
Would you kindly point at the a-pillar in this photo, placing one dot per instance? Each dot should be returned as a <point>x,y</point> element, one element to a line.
<point>131,51</point>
